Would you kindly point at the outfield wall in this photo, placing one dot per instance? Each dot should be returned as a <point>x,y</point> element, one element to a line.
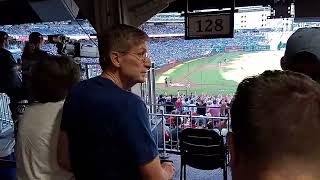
<point>228,49</point>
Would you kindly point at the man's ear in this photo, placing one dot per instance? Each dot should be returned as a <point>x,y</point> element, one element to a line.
<point>284,63</point>
<point>231,145</point>
<point>115,59</point>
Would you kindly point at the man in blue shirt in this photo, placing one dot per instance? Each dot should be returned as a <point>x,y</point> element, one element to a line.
<point>105,128</point>
<point>10,78</point>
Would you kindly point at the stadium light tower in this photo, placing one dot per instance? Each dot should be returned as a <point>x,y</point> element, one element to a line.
<point>282,9</point>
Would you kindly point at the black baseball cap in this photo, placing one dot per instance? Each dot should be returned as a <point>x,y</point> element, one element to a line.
<point>304,40</point>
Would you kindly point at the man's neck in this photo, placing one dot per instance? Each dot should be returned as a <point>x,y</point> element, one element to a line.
<point>115,78</point>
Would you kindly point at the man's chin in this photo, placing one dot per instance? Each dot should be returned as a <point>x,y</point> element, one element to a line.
<point>141,80</point>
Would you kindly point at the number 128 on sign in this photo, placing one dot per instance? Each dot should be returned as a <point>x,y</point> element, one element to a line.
<point>209,25</point>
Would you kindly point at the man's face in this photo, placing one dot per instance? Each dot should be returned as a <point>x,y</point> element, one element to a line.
<point>134,64</point>
<point>6,42</point>
<point>305,66</point>
<point>41,42</point>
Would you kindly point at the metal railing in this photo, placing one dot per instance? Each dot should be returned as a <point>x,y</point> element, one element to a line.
<point>5,113</point>
<point>160,127</point>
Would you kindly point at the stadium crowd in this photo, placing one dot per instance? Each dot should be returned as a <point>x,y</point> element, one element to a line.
<point>187,104</point>
<point>177,49</point>
<point>66,28</point>
<point>197,111</point>
<point>176,28</point>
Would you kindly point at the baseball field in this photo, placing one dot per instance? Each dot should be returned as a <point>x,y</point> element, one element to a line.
<point>214,75</point>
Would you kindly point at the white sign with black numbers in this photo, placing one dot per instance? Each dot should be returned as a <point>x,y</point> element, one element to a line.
<point>209,25</point>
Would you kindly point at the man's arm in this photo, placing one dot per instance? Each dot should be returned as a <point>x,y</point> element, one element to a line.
<point>134,131</point>
<point>14,75</point>
<point>63,151</point>
<point>156,171</point>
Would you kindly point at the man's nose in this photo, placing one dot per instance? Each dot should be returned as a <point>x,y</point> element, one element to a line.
<point>147,63</point>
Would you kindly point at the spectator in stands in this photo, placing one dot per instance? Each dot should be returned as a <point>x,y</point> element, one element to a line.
<point>105,126</point>
<point>161,101</point>
<point>38,131</point>
<point>202,121</point>
<point>176,131</point>
<point>210,124</point>
<point>169,106</point>
<point>303,53</point>
<point>10,78</point>
<point>192,106</point>
<point>214,109</point>
<point>201,108</point>
<point>179,105</point>
<point>193,123</point>
<point>276,128</point>
<point>32,53</point>
<point>223,108</point>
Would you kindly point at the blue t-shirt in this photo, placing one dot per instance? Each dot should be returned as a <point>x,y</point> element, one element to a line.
<point>108,130</point>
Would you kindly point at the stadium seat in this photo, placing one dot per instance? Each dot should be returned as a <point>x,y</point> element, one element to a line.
<point>202,149</point>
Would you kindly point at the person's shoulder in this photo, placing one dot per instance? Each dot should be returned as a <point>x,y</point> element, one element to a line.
<point>92,81</point>
<point>41,52</point>
<point>133,99</point>
<point>78,89</point>
<point>84,85</point>
<point>5,52</point>
<point>105,90</point>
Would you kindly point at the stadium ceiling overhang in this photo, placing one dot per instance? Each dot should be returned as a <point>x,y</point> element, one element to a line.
<point>132,12</point>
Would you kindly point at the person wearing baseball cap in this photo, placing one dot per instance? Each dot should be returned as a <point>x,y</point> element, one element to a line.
<point>10,79</point>
<point>33,46</point>
<point>32,53</point>
<point>36,38</point>
<point>3,36</point>
<point>10,84</point>
<point>303,53</point>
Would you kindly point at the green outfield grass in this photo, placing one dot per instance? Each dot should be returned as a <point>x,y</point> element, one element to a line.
<point>202,78</point>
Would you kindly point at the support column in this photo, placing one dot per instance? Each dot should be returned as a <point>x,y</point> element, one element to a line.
<point>153,88</point>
